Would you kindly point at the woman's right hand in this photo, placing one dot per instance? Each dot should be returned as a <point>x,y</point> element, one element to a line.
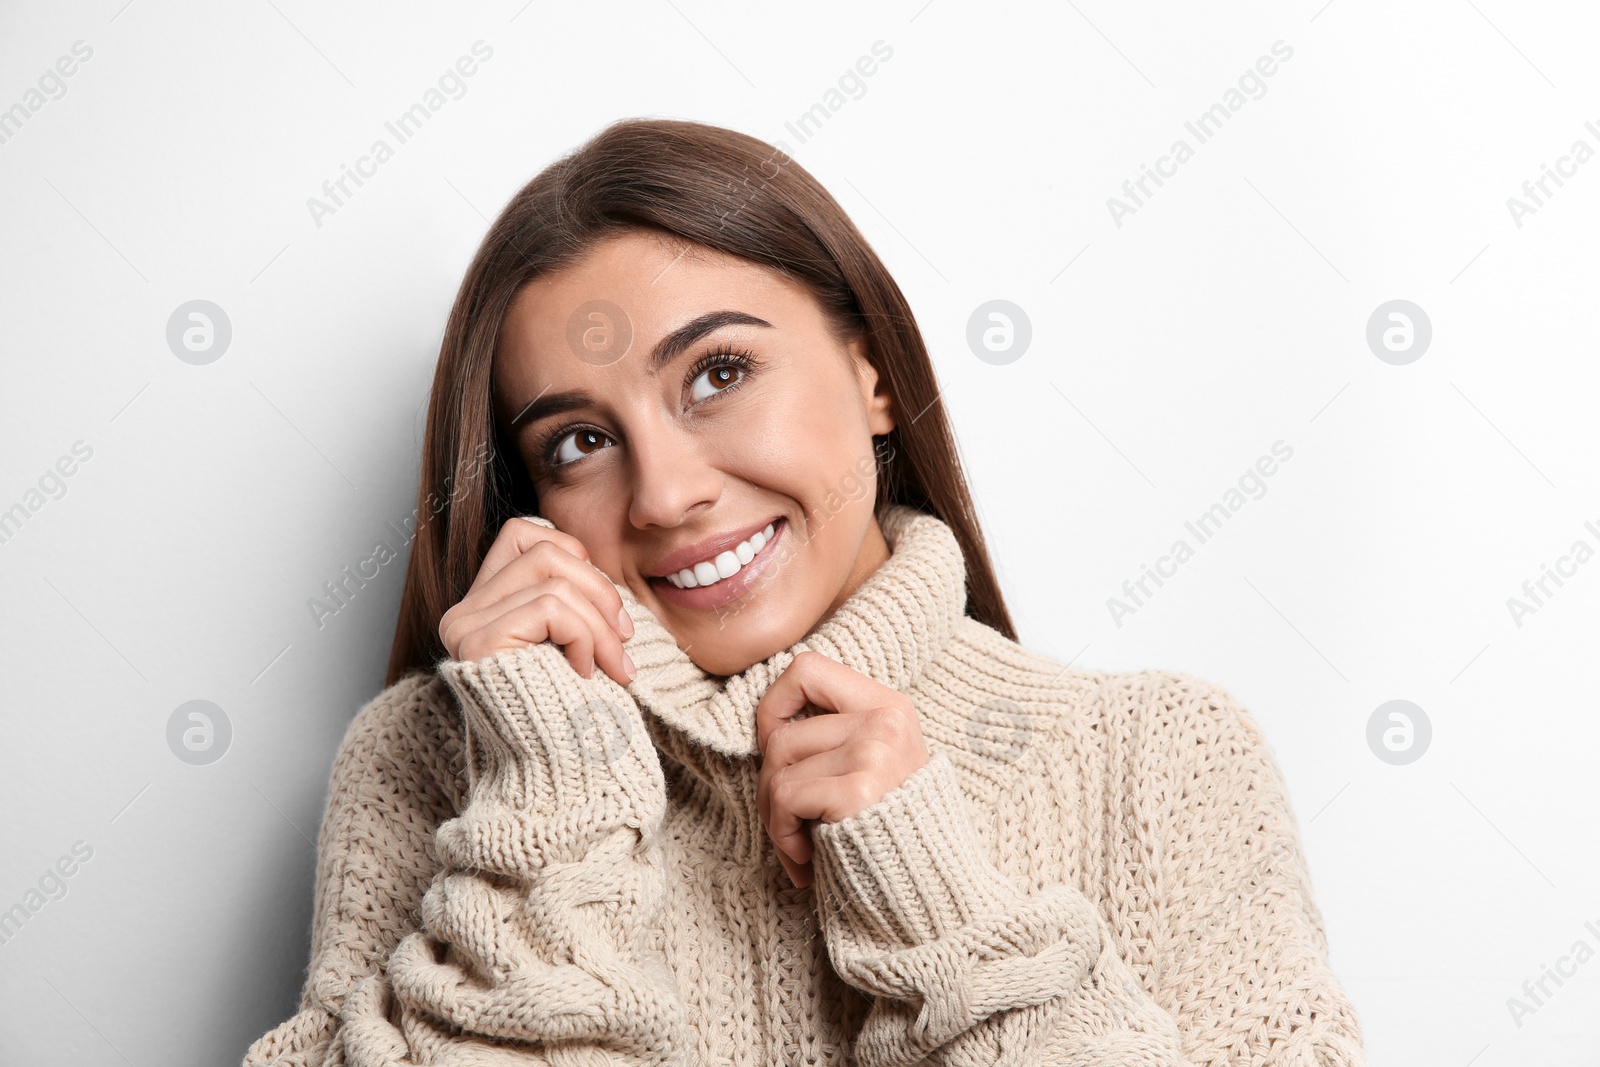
<point>537,584</point>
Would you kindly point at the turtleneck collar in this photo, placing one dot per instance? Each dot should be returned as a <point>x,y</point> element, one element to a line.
<point>889,629</point>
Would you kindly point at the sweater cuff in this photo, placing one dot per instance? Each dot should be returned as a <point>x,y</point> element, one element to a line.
<point>547,740</point>
<point>910,868</point>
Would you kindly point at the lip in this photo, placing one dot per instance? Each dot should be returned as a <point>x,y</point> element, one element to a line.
<point>706,597</point>
<point>710,548</point>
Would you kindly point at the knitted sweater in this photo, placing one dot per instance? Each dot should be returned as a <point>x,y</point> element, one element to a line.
<point>519,865</point>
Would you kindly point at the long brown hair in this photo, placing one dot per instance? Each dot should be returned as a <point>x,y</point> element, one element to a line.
<point>713,187</point>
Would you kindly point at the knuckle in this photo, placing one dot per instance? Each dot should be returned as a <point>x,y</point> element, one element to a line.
<point>807,661</point>
<point>573,546</point>
<point>448,622</point>
<point>888,724</point>
<point>779,743</point>
<point>555,542</point>
<point>872,753</point>
<point>782,789</point>
<point>863,790</point>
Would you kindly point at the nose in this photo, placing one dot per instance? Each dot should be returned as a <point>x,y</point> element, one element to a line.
<point>674,471</point>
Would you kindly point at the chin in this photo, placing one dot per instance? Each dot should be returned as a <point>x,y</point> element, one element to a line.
<point>716,654</point>
<point>718,667</point>
<point>733,643</point>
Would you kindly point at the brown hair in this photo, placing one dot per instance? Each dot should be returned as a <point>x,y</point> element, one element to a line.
<point>712,187</point>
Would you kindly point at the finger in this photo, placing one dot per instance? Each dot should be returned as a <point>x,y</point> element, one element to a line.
<point>824,684</point>
<point>799,873</point>
<point>531,621</point>
<point>550,559</point>
<point>468,618</point>
<point>824,791</point>
<point>584,637</point>
<point>535,570</point>
<point>796,740</point>
<point>481,613</point>
<point>463,619</point>
<point>791,831</point>
<point>516,537</point>
<point>573,624</point>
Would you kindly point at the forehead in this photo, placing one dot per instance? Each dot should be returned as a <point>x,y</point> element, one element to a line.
<point>653,283</point>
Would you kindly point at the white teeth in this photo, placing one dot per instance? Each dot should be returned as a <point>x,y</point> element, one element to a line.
<point>724,565</point>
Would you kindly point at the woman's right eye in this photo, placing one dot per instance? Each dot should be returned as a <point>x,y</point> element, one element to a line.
<point>574,446</point>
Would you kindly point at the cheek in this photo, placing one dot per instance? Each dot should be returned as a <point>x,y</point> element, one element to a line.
<point>606,555</point>
<point>770,447</point>
<point>814,460</point>
<point>808,424</point>
<point>596,528</point>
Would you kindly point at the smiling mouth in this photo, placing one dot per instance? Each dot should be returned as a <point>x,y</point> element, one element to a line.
<point>726,576</point>
<point>723,565</point>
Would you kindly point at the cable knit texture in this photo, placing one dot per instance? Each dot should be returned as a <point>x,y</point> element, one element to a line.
<point>519,865</point>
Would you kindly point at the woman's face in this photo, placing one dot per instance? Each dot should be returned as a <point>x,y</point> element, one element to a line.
<point>703,400</point>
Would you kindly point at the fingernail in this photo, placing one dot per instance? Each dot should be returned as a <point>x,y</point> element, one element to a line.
<point>624,624</point>
<point>627,665</point>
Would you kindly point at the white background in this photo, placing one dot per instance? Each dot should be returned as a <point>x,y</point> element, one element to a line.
<point>1169,353</point>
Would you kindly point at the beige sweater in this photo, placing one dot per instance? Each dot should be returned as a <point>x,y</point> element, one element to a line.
<point>519,865</point>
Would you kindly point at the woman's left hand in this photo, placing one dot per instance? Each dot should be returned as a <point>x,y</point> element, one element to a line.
<point>817,765</point>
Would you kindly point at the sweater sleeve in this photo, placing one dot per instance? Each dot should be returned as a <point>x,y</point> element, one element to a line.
<point>538,938</point>
<point>1239,952</point>
<point>391,785</point>
<point>965,966</point>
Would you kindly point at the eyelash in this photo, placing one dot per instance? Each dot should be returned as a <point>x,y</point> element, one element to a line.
<point>724,355</point>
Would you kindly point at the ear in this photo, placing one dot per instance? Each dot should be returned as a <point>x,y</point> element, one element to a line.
<point>874,394</point>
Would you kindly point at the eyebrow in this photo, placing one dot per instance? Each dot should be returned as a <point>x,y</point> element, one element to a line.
<point>666,350</point>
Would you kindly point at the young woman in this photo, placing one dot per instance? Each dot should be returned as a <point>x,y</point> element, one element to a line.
<point>707,738</point>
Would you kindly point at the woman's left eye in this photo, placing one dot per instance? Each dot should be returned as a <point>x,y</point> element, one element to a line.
<point>724,375</point>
